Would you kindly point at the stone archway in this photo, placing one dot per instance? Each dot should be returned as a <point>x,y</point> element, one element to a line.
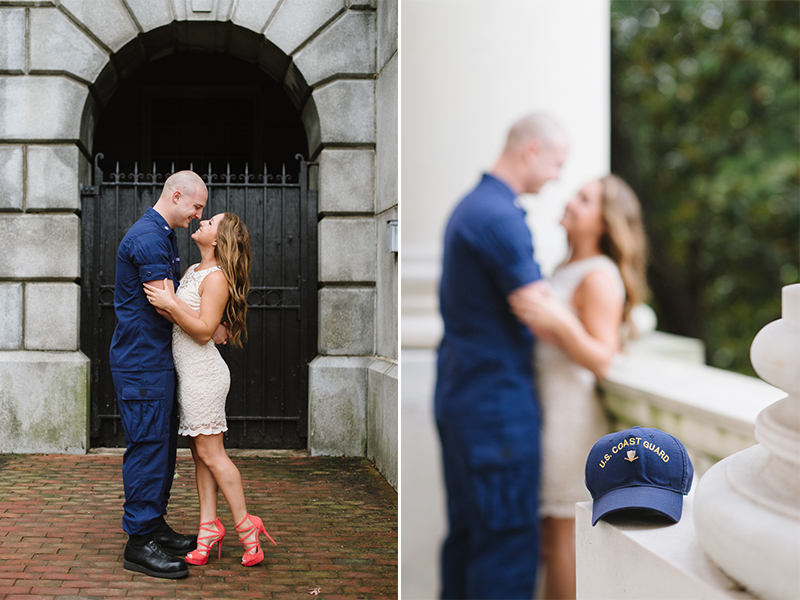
<point>194,38</point>
<point>200,109</point>
<point>233,124</point>
<point>336,59</point>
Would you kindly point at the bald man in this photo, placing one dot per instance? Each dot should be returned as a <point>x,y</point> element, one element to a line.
<point>144,377</point>
<point>485,401</point>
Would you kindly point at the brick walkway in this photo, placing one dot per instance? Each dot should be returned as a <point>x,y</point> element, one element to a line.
<point>334,519</point>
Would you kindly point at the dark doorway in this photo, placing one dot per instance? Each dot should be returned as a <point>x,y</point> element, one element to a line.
<point>232,124</point>
<point>195,109</point>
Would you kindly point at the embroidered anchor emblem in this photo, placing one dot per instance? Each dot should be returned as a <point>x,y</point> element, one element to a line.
<point>631,456</point>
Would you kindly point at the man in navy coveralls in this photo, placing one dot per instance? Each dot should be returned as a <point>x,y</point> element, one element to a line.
<point>144,377</point>
<point>485,403</point>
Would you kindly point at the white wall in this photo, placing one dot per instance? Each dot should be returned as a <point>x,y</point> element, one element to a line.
<point>469,70</point>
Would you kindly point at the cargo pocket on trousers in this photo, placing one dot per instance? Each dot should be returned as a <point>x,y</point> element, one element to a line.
<point>505,480</point>
<point>142,408</point>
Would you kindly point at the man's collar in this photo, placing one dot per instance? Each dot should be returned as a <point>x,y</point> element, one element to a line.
<point>156,216</point>
<point>504,187</point>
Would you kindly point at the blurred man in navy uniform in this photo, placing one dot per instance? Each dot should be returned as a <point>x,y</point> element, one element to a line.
<point>485,403</point>
<point>144,377</point>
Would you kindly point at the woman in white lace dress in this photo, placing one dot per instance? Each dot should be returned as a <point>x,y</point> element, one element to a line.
<point>211,291</point>
<point>578,318</point>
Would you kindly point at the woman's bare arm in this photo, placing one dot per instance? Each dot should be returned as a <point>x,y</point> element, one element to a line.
<point>200,326</point>
<point>592,337</point>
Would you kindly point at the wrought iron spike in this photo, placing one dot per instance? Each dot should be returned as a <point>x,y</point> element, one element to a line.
<point>98,173</point>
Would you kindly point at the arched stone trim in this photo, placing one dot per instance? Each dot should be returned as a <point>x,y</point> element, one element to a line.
<point>186,36</point>
<point>322,51</point>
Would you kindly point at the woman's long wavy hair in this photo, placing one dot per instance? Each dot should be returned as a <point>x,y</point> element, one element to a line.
<point>233,257</point>
<point>624,241</point>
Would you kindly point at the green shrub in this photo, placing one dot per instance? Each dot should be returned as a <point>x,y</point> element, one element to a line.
<point>706,128</point>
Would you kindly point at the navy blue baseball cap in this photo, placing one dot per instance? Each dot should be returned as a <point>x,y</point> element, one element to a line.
<point>639,468</point>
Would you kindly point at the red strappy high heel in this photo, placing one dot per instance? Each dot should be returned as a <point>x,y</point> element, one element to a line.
<point>256,526</point>
<point>199,556</point>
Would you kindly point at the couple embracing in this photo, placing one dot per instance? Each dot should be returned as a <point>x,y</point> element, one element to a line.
<point>517,419</point>
<point>170,378</point>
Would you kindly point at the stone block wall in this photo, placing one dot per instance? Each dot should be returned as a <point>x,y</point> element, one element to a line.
<point>358,196</point>
<point>337,61</point>
<point>336,423</point>
<point>382,430</point>
<point>11,316</point>
<point>45,61</point>
<point>44,402</point>
<point>382,407</point>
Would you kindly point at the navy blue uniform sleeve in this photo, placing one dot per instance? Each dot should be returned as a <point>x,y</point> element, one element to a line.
<point>152,255</point>
<point>507,247</point>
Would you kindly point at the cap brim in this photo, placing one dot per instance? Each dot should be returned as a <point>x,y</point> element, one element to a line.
<point>665,502</point>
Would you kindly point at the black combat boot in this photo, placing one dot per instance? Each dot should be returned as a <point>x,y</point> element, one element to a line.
<point>171,541</point>
<point>144,555</point>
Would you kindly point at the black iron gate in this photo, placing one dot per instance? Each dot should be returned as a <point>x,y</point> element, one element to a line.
<point>268,401</point>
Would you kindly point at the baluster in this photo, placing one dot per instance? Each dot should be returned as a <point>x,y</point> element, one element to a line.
<point>747,506</point>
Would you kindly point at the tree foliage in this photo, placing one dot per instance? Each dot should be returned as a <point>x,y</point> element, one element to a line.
<point>706,129</point>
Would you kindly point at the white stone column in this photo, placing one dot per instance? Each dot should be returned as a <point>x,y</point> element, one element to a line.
<point>747,508</point>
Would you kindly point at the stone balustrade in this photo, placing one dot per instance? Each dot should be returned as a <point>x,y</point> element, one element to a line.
<point>747,510</point>
<point>712,411</point>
